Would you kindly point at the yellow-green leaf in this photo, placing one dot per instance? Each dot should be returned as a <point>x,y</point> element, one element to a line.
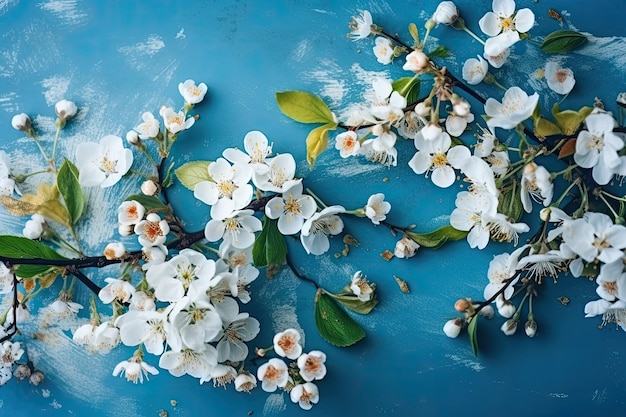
<point>473,336</point>
<point>334,324</point>
<point>437,238</point>
<point>150,202</point>
<point>304,107</point>
<point>570,120</point>
<point>192,173</point>
<point>353,302</point>
<point>18,207</point>
<point>409,87</point>
<point>544,128</point>
<point>414,33</point>
<point>69,187</point>
<point>317,142</point>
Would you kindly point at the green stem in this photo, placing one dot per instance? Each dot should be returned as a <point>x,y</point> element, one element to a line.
<point>472,34</point>
<point>613,212</point>
<point>490,79</point>
<point>319,200</point>
<point>564,171</point>
<point>558,202</point>
<point>54,145</point>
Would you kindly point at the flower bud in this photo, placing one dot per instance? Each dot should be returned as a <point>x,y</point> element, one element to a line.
<point>487,312</point>
<point>65,110</point>
<point>378,130</point>
<point>34,228</point>
<point>530,328</point>
<point>544,214</point>
<point>621,100</point>
<point>461,305</point>
<point>126,229</point>
<point>416,61</point>
<point>446,13</point>
<point>36,378</point>
<point>21,122</point>
<point>453,327</point>
<point>423,108</point>
<point>132,138</point>
<point>430,24</point>
<point>22,372</point>
<point>509,327</point>
<point>149,188</point>
<point>114,250</point>
<point>406,248</point>
<point>505,308</point>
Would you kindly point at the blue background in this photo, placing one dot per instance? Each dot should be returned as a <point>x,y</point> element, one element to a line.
<point>117,59</point>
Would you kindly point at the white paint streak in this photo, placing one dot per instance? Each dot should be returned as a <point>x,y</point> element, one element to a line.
<point>138,54</point>
<point>45,393</point>
<point>5,5</point>
<point>351,167</point>
<point>468,363</point>
<point>282,289</point>
<point>302,49</point>
<point>8,102</point>
<point>65,10</point>
<point>333,89</point>
<point>181,34</point>
<point>55,88</point>
<point>274,404</point>
<point>558,395</point>
<point>611,49</point>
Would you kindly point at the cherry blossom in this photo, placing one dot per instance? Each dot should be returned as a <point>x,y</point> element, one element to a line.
<point>103,163</point>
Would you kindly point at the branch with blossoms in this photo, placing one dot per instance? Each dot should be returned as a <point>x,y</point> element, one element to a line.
<point>178,294</point>
<point>581,230</point>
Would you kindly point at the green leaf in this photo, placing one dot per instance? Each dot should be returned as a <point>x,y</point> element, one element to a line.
<point>168,181</point>
<point>472,332</point>
<point>562,41</point>
<point>414,33</point>
<point>317,142</point>
<point>304,107</point>
<point>269,247</point>
<point>544,128</point>
<point>192,173</point>
<point>409,87</point>
<point>150,202</point>
<point>570,120</point>
<point>23,248</point>
<point>334,324</point>
<point>352,302</point>
<point>69,187</point>
<point>437,238</point>
<point>439,52</point>
<point>510,203</point>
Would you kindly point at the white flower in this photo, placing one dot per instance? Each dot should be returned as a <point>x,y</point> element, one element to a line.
<point>97,338</point>
<point>452,328</point>
<point>436,155</point>
<point>196,363</point>
<point>196,319</point>
<point>472,210</point>
<point>64,306</point>
<point>312,365</point>
<point>457,121</point>
<point>273,374</point>
<point>10,352</point>
<point>475,70</point>
<point>130,212</point>
<point>153,255</point>
<point>516,107</point>
<point>245,382</point>
<point>347,143</point>
<point>498,60</point>
<point>502,229</point>
<point>116,289</point>
<point>594,236</point>
<point>132,138</point>
<point>280,175</point>
<point>171,279</point>
<point>305,395</point>
<point>377,208</point>
<point>237,230</point>
<point>375,151</point>
<point>383,50</point>
<point>388,105</point>
<point>509,327</point>
<point>502,269</point>
<point>134,369</point>
<point>317,228</point>
<point>239,328</point>
<point>175,121</point>
<point>65,109</point>
<point>103,163</point>
<point>257,146</point>
<point>504,25</point>
<point>114,250</point>
<point>416,61</point>
<point>536,184</point>
<point>291,209</point>
<point>192,93</point>
<point>34,227</point>
<point>150,328</point>
<point>612,281</point>
<point>597,147</point>
<point>361,287</point>
<point>6,279</point>
<point>499,162</point>
<point>152,231</point>
<point>287,344</point>
<point>140,301</point>
<point>405,248</point>
<point>229,190</point>
<point>560,80</point>
<point>149,128</point>
<point>446,13</point>
<point>221,375</point>
<point>361,26</point>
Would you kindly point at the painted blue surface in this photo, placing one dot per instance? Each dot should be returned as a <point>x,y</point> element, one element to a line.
<point>118,59</point>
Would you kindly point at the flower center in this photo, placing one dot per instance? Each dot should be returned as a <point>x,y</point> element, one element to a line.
<point>507,23</point>
<point>312,364</point>
<point>306,397</point>
<point>152,231</point>
<point>272,374</point>
<point>561,75</point>
<point>132,212</point>
<point>600,243</point>
<point>287,343</point>
<point>596,142</point>
<point>176,120</point>
<point>610,287</point>
<point>292,206</point>
<point>278,177</point>
<point>107,165</point>
<point>226,188</point>
<point>439,160</point>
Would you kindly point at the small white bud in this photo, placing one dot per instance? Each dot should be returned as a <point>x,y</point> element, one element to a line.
<point>21,122</point>
<point>487,312</point>
<point>453,327</point>
<point>405,248</point>
<point>530,328</point>
<point>149,188</point>
<point>65,109</point>
<point>509,327</point>
<point>505,308</point>
<point>114,250</point>
<point>132,138</point>
<point>446,13</point>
